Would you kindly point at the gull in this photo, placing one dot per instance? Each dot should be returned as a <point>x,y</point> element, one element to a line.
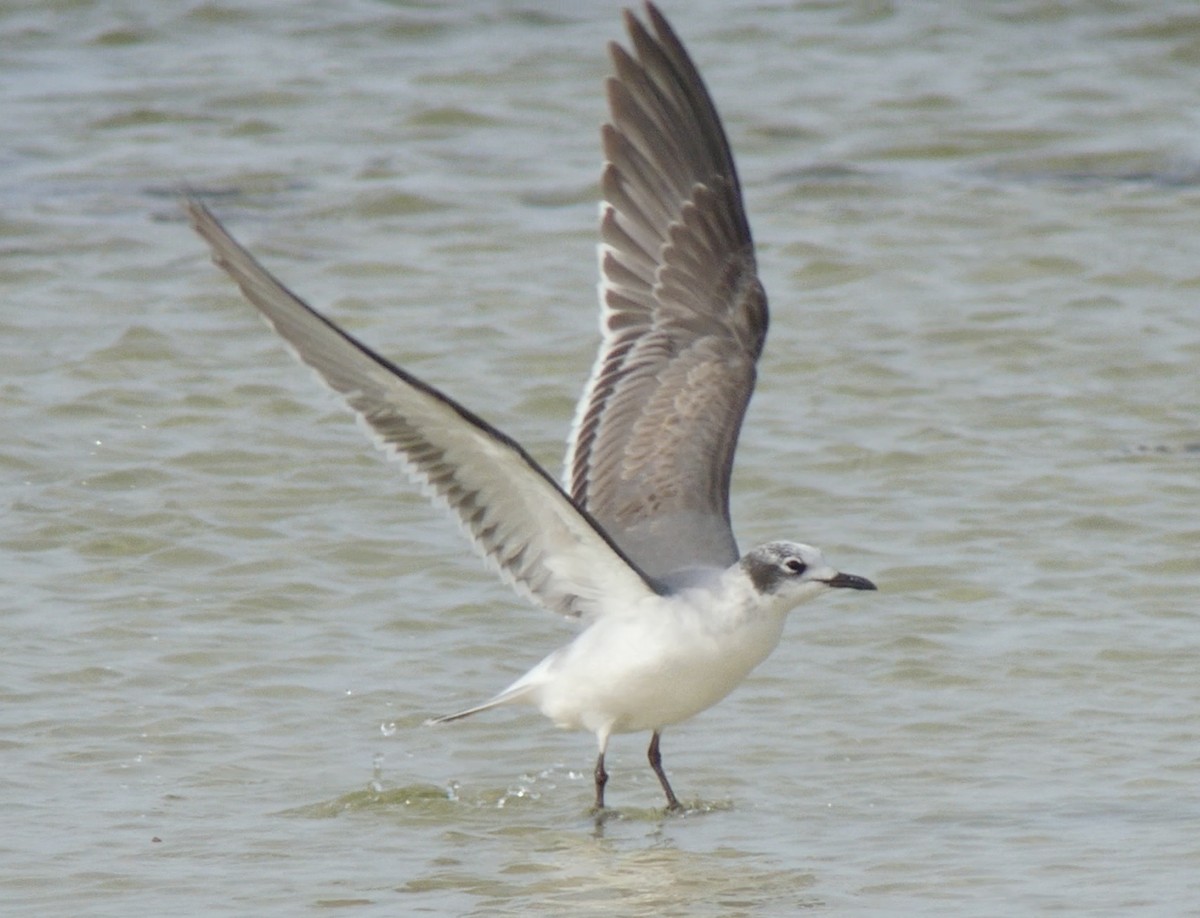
<point>637,543</point>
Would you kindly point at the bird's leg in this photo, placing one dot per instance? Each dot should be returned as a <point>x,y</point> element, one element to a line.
<point>601,780</point>
<point>655,758</point>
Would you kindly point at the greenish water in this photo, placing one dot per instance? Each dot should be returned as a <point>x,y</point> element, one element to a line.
<point>223,619</point>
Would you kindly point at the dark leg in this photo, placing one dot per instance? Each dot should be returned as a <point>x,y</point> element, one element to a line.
<point>656,763</point>
<point>601,780</point>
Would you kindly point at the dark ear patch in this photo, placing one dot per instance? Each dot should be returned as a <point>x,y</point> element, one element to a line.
<point>764,573</point>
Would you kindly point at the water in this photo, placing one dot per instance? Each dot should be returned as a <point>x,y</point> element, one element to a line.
<point>223,618</point>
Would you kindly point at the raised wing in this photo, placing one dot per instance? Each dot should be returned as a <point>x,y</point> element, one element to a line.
<point>514,513</point>
<point>684,318</point>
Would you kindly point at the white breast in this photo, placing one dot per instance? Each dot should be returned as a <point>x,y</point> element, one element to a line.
<point>658,664</point>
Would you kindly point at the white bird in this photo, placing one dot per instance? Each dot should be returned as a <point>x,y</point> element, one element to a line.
<point>639,544</point>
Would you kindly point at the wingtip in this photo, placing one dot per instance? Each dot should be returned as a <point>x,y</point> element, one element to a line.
<point>656,21</point>
<point>634,26</point>
<point>198,215</point>
<point>189,201</point>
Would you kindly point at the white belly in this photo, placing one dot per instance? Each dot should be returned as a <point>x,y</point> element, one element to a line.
<point>653,668</point>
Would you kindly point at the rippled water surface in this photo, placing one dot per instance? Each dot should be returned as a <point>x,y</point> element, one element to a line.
<point>223,618</point>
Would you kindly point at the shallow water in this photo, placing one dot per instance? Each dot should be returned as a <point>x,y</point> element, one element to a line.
<point>223,618</point>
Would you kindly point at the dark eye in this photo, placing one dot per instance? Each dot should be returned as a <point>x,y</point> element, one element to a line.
<point>795,567</point>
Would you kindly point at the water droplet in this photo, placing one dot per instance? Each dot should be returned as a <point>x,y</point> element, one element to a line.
<point>376,784</point>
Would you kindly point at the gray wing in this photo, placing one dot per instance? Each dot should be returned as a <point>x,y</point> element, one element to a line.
<point>684,317</point>
<point>514,513</point>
